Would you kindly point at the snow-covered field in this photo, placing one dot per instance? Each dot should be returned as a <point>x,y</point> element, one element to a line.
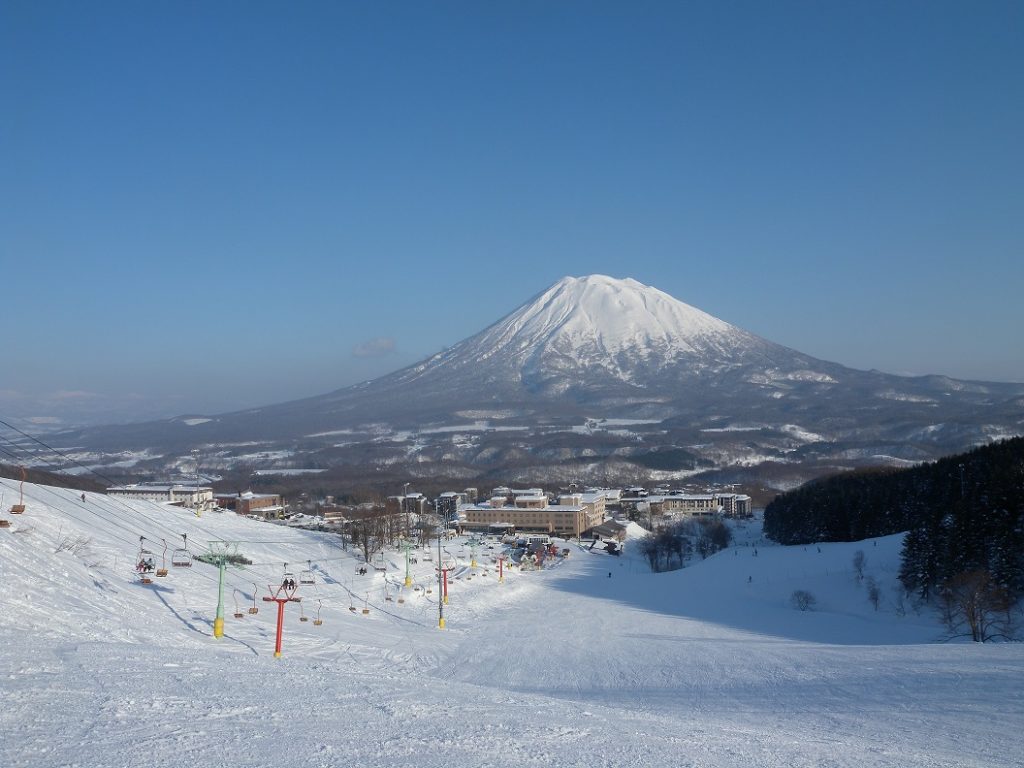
<point>594,662</point>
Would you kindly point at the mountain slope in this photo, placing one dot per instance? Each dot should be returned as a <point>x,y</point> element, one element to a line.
<point>565,666</point>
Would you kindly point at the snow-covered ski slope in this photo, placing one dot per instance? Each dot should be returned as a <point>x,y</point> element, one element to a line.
<point>709,666</point>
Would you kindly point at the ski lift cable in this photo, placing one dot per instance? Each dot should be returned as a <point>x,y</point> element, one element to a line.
<point>133,512</point>
<point>136,512</point>
<point>35,453</point>
<point>133,532</point>
<point>104,502</point>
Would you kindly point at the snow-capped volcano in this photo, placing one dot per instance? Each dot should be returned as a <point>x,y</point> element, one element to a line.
<point>587,318</point>
<point>595,331</point>
<point>596,372</point>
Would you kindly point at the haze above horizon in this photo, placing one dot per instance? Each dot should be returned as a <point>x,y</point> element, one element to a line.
<point>223,206</point>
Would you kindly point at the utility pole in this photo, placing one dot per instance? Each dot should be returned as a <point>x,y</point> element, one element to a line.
<point>408,576</point>
<point>195,453</point>
<point>405,506</point>
<point>221,551</point>
<point>442,592</point>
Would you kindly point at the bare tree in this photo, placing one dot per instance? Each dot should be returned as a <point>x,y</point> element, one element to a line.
<point>973,604</point>
<point>874,592</point>
<point>803,600</point>
<point>369,534</point>
<point>859,560</point>
<point>427,531</point>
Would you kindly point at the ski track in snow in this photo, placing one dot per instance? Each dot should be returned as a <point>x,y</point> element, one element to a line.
<point>708,666</point>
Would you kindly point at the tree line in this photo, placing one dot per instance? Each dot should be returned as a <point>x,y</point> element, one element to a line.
<point>964,515</point>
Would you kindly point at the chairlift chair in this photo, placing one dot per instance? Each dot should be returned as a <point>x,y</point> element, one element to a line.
<point>254,610</point>
<point>351,606</point>
<point>19,508</point>
<point>302,614</point>
<point>145,562</point>
<point>238,610</point>
<point>181,557</point>
<point>306,576</point>
<point>162,570</point>
<point>318,622</point>
<point>366,609</point>
<point>288,581</point>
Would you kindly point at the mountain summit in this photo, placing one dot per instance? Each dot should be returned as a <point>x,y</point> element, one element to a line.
<point>590,333</point>
<point>594,373</point>
<point>593,318</point>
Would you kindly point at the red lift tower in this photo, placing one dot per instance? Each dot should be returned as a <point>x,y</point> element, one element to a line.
<point>285,593</point>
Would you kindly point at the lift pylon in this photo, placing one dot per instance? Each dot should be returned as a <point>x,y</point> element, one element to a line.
<point>283,594</point>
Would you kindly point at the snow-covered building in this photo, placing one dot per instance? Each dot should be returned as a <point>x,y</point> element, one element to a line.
<point>735,504</point>
<point>265,505</point>
<point>695,504</point>
<point>166,493</point>
<point>531,511</point>
<point>700,504</point>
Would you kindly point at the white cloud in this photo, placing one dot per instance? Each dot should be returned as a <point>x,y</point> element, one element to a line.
<point>378,347</point>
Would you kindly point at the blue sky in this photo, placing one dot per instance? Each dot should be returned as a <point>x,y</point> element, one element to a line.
<point>209,206</point>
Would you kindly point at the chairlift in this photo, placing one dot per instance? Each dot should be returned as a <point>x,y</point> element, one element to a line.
<point>317,622</point>
<point>387,595</point>
<point>351,606</point>
<point>19,508</point>
<point>302,614</point>
<point>306,576</point>
<point>238,609</point>
<point>288,582</point>
<point>162,570</point>
<point>254,610</point>
<point>144,565</point>
<point>366,609</point>
<point>181,557</point>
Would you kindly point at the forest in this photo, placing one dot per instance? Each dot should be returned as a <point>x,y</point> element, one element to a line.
<point>963,514</point>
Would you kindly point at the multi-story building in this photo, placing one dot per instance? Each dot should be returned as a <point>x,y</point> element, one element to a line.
<point>166,493</point>
<point>265,505</point>
<point>448,503</point>
<point>735,504</point>
<point>700,504</point>
<point>531,511</point>
<point>694,503</point>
